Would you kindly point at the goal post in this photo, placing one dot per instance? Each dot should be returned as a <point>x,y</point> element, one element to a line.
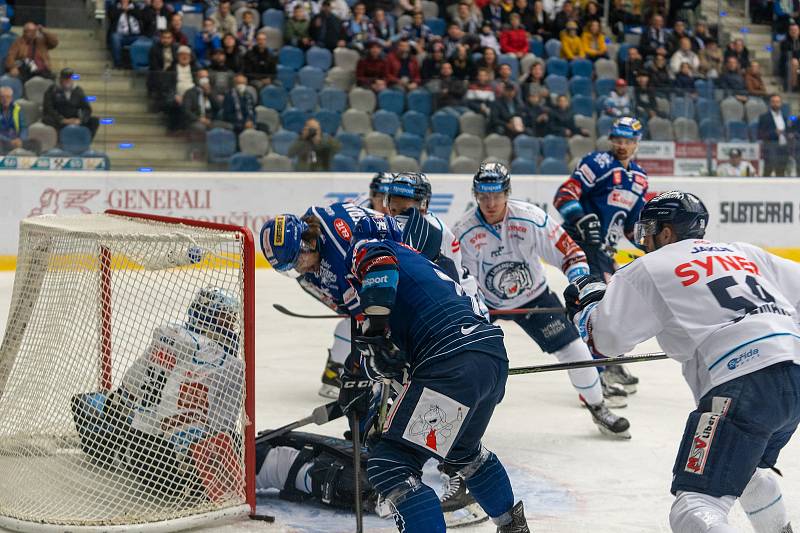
<point>127,396</point>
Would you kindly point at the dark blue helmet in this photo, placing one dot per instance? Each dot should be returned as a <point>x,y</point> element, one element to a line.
<point>380,183</point>
<point>413,185</point>
<point>491,177</point>
<point>683,211</point>
<point>281,241</point>
<point>375,226</point>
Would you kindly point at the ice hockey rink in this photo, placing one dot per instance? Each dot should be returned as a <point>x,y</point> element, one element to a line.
<point>571,478</point>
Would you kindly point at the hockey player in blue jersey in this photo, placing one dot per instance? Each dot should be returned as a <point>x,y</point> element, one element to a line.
<point>376,198</point>
<point>420,323</point>
<point>600,204</point>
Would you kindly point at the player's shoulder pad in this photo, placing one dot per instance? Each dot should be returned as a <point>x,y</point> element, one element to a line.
<point>593,166</point>
<point>521,212</point>
<point>636,167</point>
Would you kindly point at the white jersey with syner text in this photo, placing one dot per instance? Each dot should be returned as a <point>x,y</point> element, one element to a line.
<point>184,386</point>
<point>722,309</point>
<point>505,257</point>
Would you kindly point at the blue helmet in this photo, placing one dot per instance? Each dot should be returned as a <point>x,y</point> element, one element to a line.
<point>281,241</point>
<point>413,185</point>
<point>380,183</point>
<point>627,128</point>
<point>214,313</point>
<point>491,177</point>
<point>381,227</point>
<point>684,211</point>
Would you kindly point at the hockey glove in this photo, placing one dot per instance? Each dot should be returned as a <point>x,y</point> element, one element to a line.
<point>355,394</point>
<point>381,357</point>
<point>582,292</point>
<point>588,228</point>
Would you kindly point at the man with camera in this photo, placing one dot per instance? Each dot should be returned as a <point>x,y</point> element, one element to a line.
<point>313,150</point>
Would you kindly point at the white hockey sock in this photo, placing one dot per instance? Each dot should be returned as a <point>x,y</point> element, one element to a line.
<point>693,512</point>
<point>585,380</point>
<point>341,342</point>
<point>763,502</point>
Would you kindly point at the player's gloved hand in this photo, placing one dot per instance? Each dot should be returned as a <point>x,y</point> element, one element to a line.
<point>355,394</point>
<point>588,227</point>
<point>582,292</point>
<point>382,358</point>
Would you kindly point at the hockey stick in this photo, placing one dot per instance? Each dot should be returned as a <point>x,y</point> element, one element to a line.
<point>384,406</point>
<point>588,364</point>
<point>320,415</point>
<point>356,431</point>
<point>493,312</point>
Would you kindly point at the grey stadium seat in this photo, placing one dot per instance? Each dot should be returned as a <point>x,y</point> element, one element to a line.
<point>276,163</point>
<point>340,78</point>
<point>46,135</point>
<point>526,62</point>
<point>362,99</point>
<point>685,129</point>
<point>732,109</point>
<point>473,123</point>
<point>402,163</point>
<point>606,68</point>
<point>662,104</point>
<point>603,144</point>
<point>379,144</point>
<point>587,123</point>
<point>498,147</point>
<point>468,145</point>
<point>660,129</point>
<point>30,110</point>
<point>346,58</point>
<point>579,145</point>
<point>35,89</point>
<point>268,116</point>
<point>430,9</point>
<point>253,142</point>
<point>355,121</point>
<point>463,165</point>
<point>274,37</point>
<point>754,108</point>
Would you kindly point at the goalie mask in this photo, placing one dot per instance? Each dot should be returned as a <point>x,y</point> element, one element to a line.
<point>214,313</point>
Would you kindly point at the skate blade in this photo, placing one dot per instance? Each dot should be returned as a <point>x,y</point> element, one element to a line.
<point>329,391</point>
<point>616,402</point>
<point>630,389</point>
<point>623,435</point>
<point>466,516</point>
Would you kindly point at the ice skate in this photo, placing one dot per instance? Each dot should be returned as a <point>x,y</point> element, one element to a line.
<point>619,375</point>
<point>613,393</point>
<point>518,523</point>
<point>608,423</point>
<point>459,507</point>
<point>331,379</point>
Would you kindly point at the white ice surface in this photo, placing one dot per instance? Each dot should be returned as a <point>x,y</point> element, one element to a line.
<point>570,477</point>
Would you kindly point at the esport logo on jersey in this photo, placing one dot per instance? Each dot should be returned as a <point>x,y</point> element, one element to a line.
<point>509,279</point>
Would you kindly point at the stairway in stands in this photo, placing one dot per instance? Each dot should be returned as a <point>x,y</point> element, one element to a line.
<point>122,96</point>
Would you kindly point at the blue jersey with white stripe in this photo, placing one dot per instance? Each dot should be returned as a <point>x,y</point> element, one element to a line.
<point>431,317</point>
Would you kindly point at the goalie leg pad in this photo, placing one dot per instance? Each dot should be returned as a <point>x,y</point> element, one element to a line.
<point>693,512</point>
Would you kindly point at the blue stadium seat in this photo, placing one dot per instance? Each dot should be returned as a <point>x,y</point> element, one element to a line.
<point>303,98</point>
<point>527,147</point>
<point>95,153</point>
<point>139,52</point>
<point>293,119</point>
<point>603,87</point>
<point>510,59</point>
<point>707,108</point>
<point>753,129</point>
<point>436,25</point>
<point>274,97</point>
<point>439,145</point>
<point>321,58</point>
<point>435,165</point>
<point>392,100</point>
<point>583,105</point>
<point>556,65</point>
<point>351,144</point>
<point>287,76</point>
<point>343,163</point>
<point>581,67</point>
<point>281,140</point>
<point>680,106</point>
<point>373,164</point>
<point>273,18</point>
<point>604,125</point>
<point>244,163</point>
<point>386,122</point>
<point>415,122</point>
<point>55,152</point>
<point>311,77</point>
<point>705,88</point>
<point>328,120</point>
<point>536,46</point>
<point>409,145</point>
<point>521,165</point>
<point>556,84</point>
<point>553,48</point>
<point>333,99</point>
<point>292,57</point>
<point>220,145</point>
<point>14,83</point>
<point>553,166</point>
<point>75,139</point>
<point>579,85</point>
<point>446,123</point>
<point>710,129</point>
<point>554,147</point>
<point>737,130</point>
<point>420,100</point>
<point>622,53</point>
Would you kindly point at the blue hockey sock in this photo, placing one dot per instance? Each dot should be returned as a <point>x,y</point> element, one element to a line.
<point>417,510</point>
<point>491,487</point>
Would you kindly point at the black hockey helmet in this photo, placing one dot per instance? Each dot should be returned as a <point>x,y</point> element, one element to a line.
<point>380,183</point>
<point>414,185</point>
<point>491,177</point>
<point>683,211</point>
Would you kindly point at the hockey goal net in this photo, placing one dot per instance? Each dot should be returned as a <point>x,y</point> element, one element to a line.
<point>126,375</point>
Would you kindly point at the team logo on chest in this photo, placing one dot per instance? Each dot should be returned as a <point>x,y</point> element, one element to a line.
<point>509,279</point>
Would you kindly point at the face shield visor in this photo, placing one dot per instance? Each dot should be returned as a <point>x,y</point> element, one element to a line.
<point>642,229</point>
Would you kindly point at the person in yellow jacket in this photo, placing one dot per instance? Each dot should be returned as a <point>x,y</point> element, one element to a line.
<point>571,43</point>
<point>593,41</point>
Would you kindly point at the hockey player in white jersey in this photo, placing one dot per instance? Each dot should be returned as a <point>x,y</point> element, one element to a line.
<point>728,312</point>
<point>501,243</point>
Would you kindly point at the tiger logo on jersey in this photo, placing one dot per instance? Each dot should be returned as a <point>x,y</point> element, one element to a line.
<point>509,279</point>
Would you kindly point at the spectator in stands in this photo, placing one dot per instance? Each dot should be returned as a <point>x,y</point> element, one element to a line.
<point>592,11</point>
<point>632,64</point>
<point>29,54</point>
<point>126,27</point>
<point>341,9</point>
<point>710,60</point>
<point>678,32</point>
<point>507,116</point>
<point>503,78</point>
<point>309,6</point>
<point>432,64</point>
<point>162,55</point>
<point>682,10</point>
<point>522,8</point>
<point>180,78</point>
<point>566,15</point>
<point>645,96</point>
<point>539,23</point>
<point>737,49</point>
<point>371,70</point>
<point>402,69</point>
<point>466,20</point>
<point>789,63</point>
<point>463,67</point>
<point>200,109</point>
<point>260,65</point>
<point>562,120</point>
<point>295,30</point>
<point>417,33</point>
<point>533,81</point>
<point>654,37</point>
<point>358,29</point>
<point>753,82</point>
<point>659,75</point>
<point>776,131</point>
<point>537,115</point>
<point>451,40</point>
<point>684,80</point>
<point>495,15</point>
<point>238,108</point>
<point>234,53</point>
<point>246,32</point>
<point>701,36</point>
<point>451,89</point>
<point>684,54</point>
<point>736,167</point>
<point>618,103</point>
<point>326,28</point>
<point>65,104</point>
<point>314,149</point>
<point>13,126</point>
<point>155,18</point>
<point>489,62</point>
<point>514,39</point>
<point>488,38</point>
<point>620,18</point>
<point>206,41</point>
<point>176,27</point>
<point>571,43</point>
<point>731,80</point>
<point>382,29</point>
<point>219,73</point>
<point>593,41</point>
<point>224,20</point>
<point>480,94</point>
<point>409,7</point>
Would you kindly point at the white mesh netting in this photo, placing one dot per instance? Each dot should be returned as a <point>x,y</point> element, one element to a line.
<point>122,373</point>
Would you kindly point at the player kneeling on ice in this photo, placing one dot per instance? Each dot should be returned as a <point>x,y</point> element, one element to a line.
<point>728,313</point>
<point>501,243</point>
<point>172,421</point>
<point>421,324</point>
